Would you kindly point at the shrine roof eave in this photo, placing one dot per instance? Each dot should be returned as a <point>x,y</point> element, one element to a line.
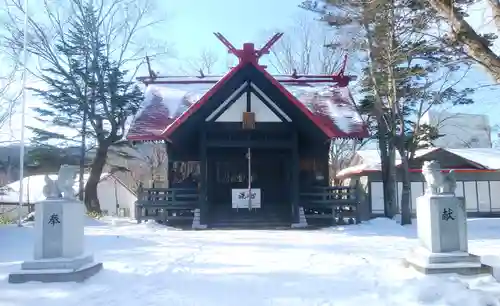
<point>332,110</point>
<point>147,138</point>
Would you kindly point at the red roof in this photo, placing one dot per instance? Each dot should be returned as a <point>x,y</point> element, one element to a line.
<point>166,106</point>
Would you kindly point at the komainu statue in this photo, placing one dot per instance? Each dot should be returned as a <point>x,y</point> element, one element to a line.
<point>437,182</point>
<point>63,187</point>
<point>50,190</point>
<point>66,181</point>
<point>450,183</point>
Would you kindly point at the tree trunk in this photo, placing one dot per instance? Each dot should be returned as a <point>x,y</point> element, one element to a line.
<point>405,190</point>
<point>393,103</point>
<point>384,165</point>
<point>91,199</point>
<point>390,209</point>
<point>477,46</point>
<point>391,181</point>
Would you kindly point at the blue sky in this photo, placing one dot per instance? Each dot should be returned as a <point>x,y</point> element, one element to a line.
<point>191,23</point>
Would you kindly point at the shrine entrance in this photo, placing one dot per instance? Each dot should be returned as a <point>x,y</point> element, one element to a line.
<point>254,142</point>
<point>235,173</point>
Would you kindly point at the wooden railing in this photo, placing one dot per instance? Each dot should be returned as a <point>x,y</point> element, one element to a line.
<point>335,205</point>
<point>166,204</point>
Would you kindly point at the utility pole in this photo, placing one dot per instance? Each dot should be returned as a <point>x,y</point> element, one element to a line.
<point>83,148</point>
<point>23,116</point>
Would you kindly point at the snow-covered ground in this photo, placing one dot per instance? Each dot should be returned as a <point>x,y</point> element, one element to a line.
<point>149,264</point>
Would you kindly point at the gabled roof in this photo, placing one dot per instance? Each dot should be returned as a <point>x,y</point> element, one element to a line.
<point>166,107</point>
<point>369,160</point>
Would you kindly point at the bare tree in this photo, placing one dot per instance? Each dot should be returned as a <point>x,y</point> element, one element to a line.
<point>203,64</point>
<point>342,152</point>
<point>306,48</point>
<point>88,52</point>
<point>310,48</point>
<point>9,95</point>
<point>149,167</point>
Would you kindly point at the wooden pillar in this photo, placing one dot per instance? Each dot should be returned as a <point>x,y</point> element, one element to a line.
<point>167,166</point>
<point>203,178</point>
<point>326,165</point>
<point>294,188</point>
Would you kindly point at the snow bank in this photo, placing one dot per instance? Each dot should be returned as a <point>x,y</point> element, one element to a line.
<point>148,264</point>
<point>33,188</point>
<point>93,222</point>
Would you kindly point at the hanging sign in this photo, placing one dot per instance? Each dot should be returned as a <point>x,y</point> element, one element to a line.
<point>248,120</point>
<point>240,197</point>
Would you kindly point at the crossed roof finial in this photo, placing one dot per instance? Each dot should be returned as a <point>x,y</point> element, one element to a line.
<point>249,53</point>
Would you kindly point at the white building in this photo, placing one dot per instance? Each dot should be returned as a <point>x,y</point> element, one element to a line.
<point>459,130</point>
<point>114,196</point>
<point>477,173</point>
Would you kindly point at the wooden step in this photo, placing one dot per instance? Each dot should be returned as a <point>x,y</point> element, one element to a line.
<point>250,225</point>
<point>250,220</point>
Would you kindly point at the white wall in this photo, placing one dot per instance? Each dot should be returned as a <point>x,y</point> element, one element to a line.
<point>263,113</point>
<point>113,196</point>
<point>460,130</point>
<point>480,196</point>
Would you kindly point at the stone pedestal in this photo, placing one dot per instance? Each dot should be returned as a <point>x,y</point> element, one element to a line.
<point>196,220</point>
<point>302,219</point>
<point>442,223</point>
<point>59,245</point>
<point>442,231</point>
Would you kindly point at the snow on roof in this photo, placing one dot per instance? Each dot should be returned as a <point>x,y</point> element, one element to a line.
<point>33,188</point>
<point>334,103</point>
<point>161,106</point>
<point>369,160</point>
<point>486,157</point>
<point>373,156</point>
<point>164,103</point>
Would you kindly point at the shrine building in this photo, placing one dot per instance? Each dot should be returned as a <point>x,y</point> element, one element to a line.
<point>247,144</point>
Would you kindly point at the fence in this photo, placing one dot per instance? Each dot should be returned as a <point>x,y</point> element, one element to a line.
<point>331,205</point>
<point>166,204</point>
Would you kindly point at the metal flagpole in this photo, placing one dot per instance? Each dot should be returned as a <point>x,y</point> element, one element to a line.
<point>23,115</point>
<point>249,179</point>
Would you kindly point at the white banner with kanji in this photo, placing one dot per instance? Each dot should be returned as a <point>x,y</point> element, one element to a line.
<point>239,198</point>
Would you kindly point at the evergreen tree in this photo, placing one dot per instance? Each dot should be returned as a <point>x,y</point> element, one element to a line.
<point>84,77</point>
<point>406,75</point>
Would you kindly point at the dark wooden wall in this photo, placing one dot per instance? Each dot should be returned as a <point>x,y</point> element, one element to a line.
<point>313,165</point>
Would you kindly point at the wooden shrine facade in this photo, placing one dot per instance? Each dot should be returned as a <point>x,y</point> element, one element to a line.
<point>246,147</point>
